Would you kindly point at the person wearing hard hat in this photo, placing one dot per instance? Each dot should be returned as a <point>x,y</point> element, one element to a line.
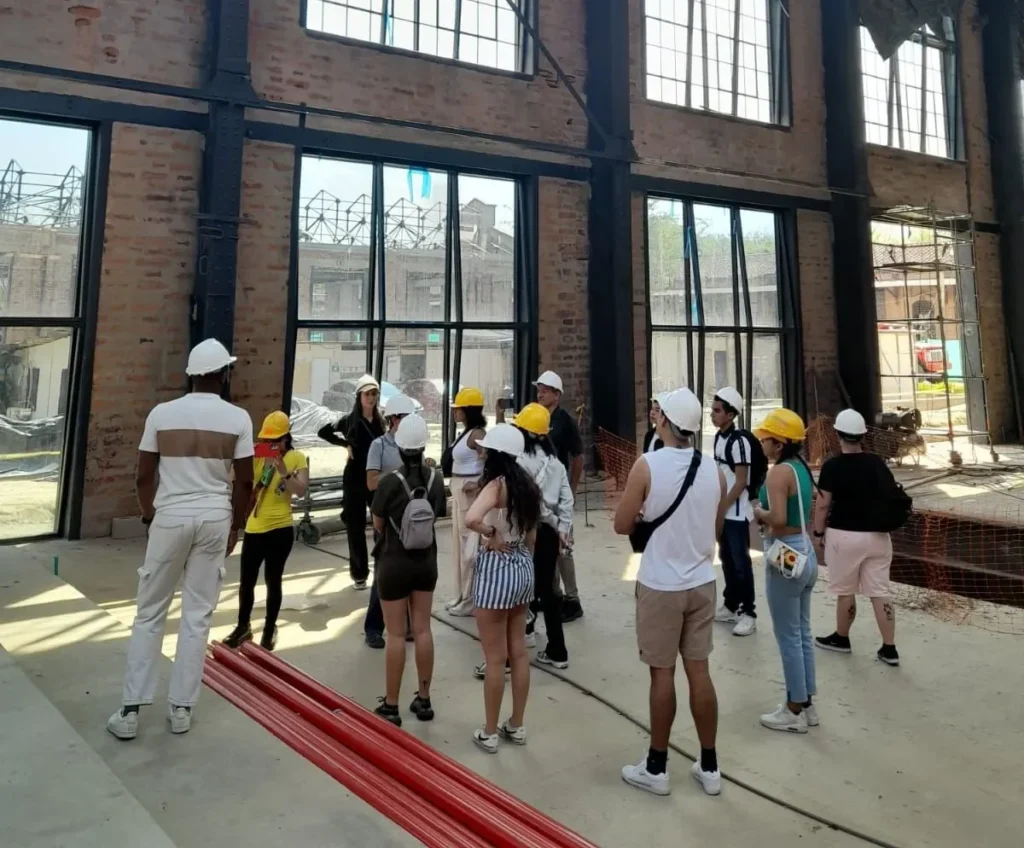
<point>383,457</point>
<point>356,432</point>
<point>194,482</point>
<point>651,440</point>
<point>463,463</point>
<point>506,514</point>
<point>856,504</point>
<point>683,493</point>
<point>743,463</point>
<point>540,462</point>
<point>406,573</point>
<point>791,565</point>
<point>281,473</point>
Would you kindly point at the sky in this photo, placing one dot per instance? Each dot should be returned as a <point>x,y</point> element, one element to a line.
<point>42,148</point>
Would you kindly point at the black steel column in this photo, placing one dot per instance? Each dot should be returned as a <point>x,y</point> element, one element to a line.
<point>1002,69</point>
<point>853,275</point>
<point>610,277</point>
<point>213,300</point>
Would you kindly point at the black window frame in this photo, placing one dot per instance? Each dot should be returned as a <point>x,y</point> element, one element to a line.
<point>744,331</point>
<point>780,77</point>
<point>453,324</point>
<point>528,49</point>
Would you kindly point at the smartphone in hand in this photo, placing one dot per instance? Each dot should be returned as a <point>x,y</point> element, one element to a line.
<point>266,450</point>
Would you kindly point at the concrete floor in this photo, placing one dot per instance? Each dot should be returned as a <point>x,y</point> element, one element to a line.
<point>924,755</point>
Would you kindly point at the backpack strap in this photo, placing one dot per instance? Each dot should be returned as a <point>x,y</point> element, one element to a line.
<point>405,483</point>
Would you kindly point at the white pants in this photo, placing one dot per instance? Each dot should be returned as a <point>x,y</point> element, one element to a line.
<point>195,546</point>
<point>464,542</point>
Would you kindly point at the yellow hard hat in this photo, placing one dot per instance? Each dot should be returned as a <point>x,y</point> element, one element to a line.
<point>782,424</point>
<point>468,396</point>
<point>534,418</point>
<point>275,426</point>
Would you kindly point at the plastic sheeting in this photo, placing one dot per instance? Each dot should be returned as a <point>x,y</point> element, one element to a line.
<point>307,420</point>
<point>891,22</point>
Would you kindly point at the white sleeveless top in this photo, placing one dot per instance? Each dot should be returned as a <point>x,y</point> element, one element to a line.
<point>681,553</point>
<point>466,462</point>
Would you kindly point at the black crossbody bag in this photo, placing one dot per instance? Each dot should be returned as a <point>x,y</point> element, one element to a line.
<point>645,529</point>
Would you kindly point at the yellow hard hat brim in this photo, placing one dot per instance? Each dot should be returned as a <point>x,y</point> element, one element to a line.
<point>272,434</point>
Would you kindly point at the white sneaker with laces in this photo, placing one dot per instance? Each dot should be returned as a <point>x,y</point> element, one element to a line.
<point>531,640</point>
<point>124,725</point>
<point>180,719</point>
<point>480,671</point>
<point>812,716</point>
<point>726,616</point>
<point>485,741</point>
<point>745,626</point>
<point>784,719</point>
<point>638,776</point>
<point>710,780</point>
<point>462,609</point>
<point>513,734</point>
<point>544,659</point>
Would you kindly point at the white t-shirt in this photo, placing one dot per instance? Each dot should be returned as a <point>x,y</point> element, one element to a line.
<point>681,552</point>
<point>742,452</point>
<point>198,437</point>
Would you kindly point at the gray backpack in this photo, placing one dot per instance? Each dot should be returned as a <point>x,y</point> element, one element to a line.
<point>416,532</point>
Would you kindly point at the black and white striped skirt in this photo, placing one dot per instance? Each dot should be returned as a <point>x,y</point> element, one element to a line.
<point>503,581</point>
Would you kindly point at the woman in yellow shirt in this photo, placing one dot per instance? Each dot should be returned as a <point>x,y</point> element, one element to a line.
<point>280,473</point>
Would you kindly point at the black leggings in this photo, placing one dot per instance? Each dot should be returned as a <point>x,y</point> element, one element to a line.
<point>273,549</point>
<point>545,557</point>
<point>353,515</point>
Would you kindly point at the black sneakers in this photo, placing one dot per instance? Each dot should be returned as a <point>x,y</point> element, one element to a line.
<point>421,708</point>
<point>835,642</point>
<point>269,638</point>
<point>375,640</point>
<point>571,610</point>
<point>388,712</point>
<point>242,633</point>
<point>889,655</point>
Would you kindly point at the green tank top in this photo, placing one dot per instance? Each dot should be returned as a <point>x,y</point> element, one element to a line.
<point>806,484</point>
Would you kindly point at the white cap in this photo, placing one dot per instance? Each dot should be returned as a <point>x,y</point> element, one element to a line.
<point>208,357</point>
<point>411,434</point>
<point>732,397</point>
<point>682,408</point>
<point>549,379</point>
<point>366,382</point>
<point>851,422</point>
<point>504,438</point>
<point>399,405</point>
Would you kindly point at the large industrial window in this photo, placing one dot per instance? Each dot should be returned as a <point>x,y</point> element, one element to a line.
<point>910,99</point>
<point>726,56</point>
<point>479,32</point>
<point>42,194</point>
<point>721,302</point>
<point>415,275</point>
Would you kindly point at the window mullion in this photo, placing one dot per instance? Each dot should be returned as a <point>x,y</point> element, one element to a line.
<point>704,58</point>
<point>736,61</point>
<point>689,55</point>
<point>416,25</point>
<point>924,96</point>
<point>453,269</point>
<point>899,100</point>
<point>458,26</point>
<point>384,21</point>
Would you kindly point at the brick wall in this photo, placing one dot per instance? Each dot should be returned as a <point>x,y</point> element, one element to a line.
<point>993,338</point>
<point>563,329</point>
<point>142,336</point>
<point>817,312</point>
<point>298,67</point>
<point>159,41</point>
<point>638,209</point>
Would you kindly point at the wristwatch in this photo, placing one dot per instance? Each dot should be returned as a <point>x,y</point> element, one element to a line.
<point>146,521</point>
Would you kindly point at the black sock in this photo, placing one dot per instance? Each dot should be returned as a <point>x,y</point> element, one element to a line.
<point>657,761</point>
<point>129,708</point>
<point>708,759</point>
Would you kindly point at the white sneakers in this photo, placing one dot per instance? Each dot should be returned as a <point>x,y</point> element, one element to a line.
<point>125,725</point>
<point>725,616</point>
<point>461,609</point>
<point>812,716</point>
<point>531,640</point>
<point>784,719</point>
<point>745,626</point>
<point>658,784</point>
<point>544,659</point>
<point>488,742</point>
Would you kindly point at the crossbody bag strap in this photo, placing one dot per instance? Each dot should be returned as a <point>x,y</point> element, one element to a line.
<point>691,475</point>
<point>800,502</point>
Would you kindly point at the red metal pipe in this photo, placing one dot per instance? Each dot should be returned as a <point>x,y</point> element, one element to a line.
<point>496,826</point>
<point>379,790</point>
<point>557,832</point>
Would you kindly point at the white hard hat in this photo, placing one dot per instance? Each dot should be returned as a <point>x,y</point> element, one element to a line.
<point>504,438</point>
<point>399,405</point>
<point>366,382</point>
<point>411,434</point>
<point>208,357</point>
<point>730,396</point>
<point>851,423</point>
<point>682,408</point>
<point>549,379</point>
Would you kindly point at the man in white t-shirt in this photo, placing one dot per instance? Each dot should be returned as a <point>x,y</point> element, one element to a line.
<point>200,448</point>
<point>675,593</point>
<point>734,453</point>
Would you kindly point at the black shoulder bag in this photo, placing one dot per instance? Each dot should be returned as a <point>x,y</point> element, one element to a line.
<point>448,457</point>
<point>645,529</point>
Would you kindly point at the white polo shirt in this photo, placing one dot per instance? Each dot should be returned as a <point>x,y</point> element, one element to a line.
<point>198,437</point>
<point>742,452</point>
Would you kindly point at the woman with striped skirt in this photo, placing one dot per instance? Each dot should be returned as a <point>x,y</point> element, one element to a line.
<point>505,514</point>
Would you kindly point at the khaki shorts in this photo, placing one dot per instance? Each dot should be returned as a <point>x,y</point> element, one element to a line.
<point>671,623</point>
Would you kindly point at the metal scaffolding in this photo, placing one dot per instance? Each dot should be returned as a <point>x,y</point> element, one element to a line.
<point>41,200</point>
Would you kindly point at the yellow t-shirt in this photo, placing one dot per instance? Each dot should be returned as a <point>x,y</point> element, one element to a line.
<point>273,509</point>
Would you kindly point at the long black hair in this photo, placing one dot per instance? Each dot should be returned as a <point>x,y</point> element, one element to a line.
<point>523,495</point>
<point>412,465</point>
<point>794,450</point>
<point>535,442</point>
<point>475,419</point>
<point>357,413</point>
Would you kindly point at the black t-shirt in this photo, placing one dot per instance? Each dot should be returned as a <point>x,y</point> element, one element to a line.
<point>858,482</point>
<point>565,436</point>
<point>389,502</point>
<point>359,435</point>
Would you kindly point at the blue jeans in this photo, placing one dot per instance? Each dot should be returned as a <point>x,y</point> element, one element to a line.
<point>790,604</point>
